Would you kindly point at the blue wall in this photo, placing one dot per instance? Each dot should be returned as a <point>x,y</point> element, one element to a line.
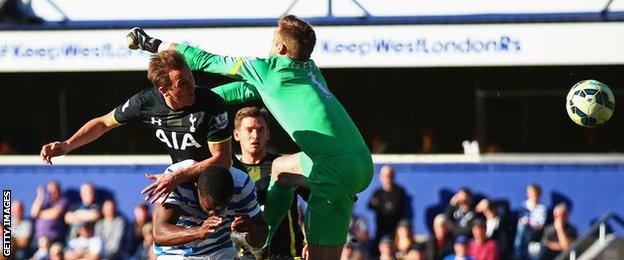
<point>590,190</point>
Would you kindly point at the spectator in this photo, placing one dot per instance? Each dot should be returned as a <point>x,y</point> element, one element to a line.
<point>348,248</point>
<point>358,229</point>
<point>389,203</point>
<point>48,213</point>
<point>21,230</point>
<point>56,251</point>
<point>428,141</point>
<point>403,238</point>
<point>480,247</point>
<point>461,252</point>
<point>496,225</point>
<point>85,246</point>
<point>558,236</point>
<point>460,213</point>
<point>43,249</point>
<point>386,248</point>
<point>530,224</point>
<point>141,218</point>
<point>145,251</point>
<point>378,145</point>
<point>111,230</point>
<point>417,252</point>
<point>441,243</point>
<point>86,211</point>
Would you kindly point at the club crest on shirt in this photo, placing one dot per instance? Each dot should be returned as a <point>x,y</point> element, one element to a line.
<point>221,120</point>
<point>192,120</point>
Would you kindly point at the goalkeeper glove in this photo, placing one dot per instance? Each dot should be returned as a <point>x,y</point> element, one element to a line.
<point>137,39</point>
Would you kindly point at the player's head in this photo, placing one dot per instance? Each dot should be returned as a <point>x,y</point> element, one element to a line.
<point>294,38</point>
<point>172,77</point>
<point>251,129</point>
<point>215,188</point>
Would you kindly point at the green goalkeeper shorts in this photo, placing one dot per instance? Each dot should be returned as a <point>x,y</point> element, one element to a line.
<point>334,181</point>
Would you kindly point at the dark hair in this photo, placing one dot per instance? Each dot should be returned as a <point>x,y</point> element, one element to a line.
<point>217,183</point>
<point>465,190</point>
<point>250,112</point>
<point>298,36</point>
<point>161,63</point>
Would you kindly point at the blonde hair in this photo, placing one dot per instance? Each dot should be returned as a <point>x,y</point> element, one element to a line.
<point>298,36</point>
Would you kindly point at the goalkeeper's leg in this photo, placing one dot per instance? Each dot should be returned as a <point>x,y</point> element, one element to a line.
<point>286,175</point>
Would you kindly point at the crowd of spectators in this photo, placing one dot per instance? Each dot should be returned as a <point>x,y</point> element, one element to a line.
<point>481,230</point>
<point>485,230</point>
<point>87,229</point>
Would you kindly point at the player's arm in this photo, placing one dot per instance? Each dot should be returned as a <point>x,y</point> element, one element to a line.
<point>167,233</point>
<point>89,132</point>
<point>250,70</point>
<point>247,69</point>
<point>221,156</point>
<point>237,92</point>
<point>249,220</point>
<point>164,184</point>
<point>254,227</point>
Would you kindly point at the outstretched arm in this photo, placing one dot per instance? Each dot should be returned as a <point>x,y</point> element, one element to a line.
<point>89,132</point>
<point>248,69</point>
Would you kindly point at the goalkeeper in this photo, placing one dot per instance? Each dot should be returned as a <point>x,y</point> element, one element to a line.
<point>334,164</point>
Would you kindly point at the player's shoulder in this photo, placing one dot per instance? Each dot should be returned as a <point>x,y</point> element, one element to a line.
<point>208,97</point>
<point>238,176</point>
<point>148,97</point>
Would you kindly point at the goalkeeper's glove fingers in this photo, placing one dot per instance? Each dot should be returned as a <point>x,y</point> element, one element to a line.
<point>137,39</point>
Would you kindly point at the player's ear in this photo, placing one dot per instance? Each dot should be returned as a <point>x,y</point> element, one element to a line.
<point>235,134</point>
<point>163,91</point>
<point>282,49</point>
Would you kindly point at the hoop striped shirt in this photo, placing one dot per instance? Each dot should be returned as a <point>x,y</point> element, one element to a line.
<point>243,203</point>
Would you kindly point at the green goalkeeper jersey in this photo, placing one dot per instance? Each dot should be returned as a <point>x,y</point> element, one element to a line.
<point>295,93</point>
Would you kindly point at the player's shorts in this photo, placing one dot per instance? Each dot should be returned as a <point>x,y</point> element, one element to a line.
<point>334,181</point>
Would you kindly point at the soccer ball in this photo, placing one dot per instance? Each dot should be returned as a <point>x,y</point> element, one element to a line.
<point>590,103</point>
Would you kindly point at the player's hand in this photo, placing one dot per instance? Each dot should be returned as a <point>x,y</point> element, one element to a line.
<point>209,226</point>
<point>305,254</point>
<point>162,186</point>
<point>241,224</point>
<point>137,39</point>
<point>53,149</point>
